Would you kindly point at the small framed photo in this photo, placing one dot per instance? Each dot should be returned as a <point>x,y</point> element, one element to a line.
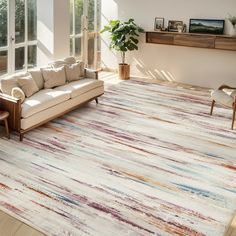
<point>159,24</point>
<point>173,25</point>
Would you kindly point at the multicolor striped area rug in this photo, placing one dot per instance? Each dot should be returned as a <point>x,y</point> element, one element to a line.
<point>148,160</point>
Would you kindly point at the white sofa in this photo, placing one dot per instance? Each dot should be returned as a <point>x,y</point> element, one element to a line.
<point>47,104</point>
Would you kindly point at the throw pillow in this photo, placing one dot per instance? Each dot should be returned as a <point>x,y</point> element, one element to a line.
<point>74,72</point>
<point>54,77</point>
<point>10,82</point>
<point>18,93</point>
<point>28,85</point>
<point>37,77</point>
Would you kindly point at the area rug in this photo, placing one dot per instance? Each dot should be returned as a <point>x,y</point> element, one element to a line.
<point>148,160</point>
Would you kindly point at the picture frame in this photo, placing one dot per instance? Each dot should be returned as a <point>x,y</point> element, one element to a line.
<point>159,23</point>
<point>173,25</point>
<point>207,26</point>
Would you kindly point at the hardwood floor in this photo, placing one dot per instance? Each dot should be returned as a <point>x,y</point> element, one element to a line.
<point>231,231</point>
<point>10,226</point>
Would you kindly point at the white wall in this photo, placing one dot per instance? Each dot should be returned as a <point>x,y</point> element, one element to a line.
<point>203,67</point>
<point>53,30</point>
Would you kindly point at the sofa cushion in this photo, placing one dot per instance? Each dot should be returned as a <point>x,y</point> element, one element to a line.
<point>54,77</point>
<point>42,100</point>
<point>79,87</point>
<point>233,93</point>
<point>222,97</point>
<point>28,85</point>
<point>51,112</point>
<point>74,72</point>
<point>10,82</point>
<point>37,77</point>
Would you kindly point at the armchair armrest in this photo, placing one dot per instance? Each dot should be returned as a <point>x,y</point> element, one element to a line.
<point>13,106</point>
<point>89,73</point>
<point>225,87</point>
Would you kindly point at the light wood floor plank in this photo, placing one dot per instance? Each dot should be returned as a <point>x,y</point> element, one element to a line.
<point>231,231</point>
<point>9,225</point>
<point>26,230</point>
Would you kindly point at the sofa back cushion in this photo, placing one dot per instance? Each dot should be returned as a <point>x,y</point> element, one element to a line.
<point>57,64</point>
<point>37,77</point>
<point>53,77</point>
<point>10,82</point>
<point>63,62</point>
<point>28,85</point>
<point>74,72</point>
<point>69,60</point>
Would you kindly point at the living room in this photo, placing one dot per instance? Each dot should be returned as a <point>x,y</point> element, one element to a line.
<point>117,117</point>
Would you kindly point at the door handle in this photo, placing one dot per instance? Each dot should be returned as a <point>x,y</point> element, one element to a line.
<point>12,39</point>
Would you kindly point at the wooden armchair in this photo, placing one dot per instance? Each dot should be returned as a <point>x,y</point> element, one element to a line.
<point>226,99</point>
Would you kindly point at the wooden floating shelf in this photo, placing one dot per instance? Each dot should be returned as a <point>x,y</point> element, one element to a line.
<point>223,42</point>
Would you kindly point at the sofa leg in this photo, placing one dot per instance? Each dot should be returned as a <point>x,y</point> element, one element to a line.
<point>21,137</point>
<point>96,99</point>
<point>212,107</point>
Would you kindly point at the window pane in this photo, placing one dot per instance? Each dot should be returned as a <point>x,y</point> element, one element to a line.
<point>71,47</point>
<point>91,53</point>
<point>78,15</point>
<point>99,59</point>
<point>19,58</point>
<point>32,56</point>
<point>78,47</point>
<point>20,21</point>
<point>91,15</point>
<point>32,20</point>
<point>99,15</point>
<point>3,23</point>
<point>3,62</point>
<point>71,16</point>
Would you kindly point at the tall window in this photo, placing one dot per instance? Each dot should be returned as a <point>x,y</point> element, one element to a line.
<point>85,27</point>
<point>3,36</point>
<point>76,27</point>
<point>18,35</point>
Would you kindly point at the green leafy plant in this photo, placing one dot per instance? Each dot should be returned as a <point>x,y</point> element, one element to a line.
<point>124,36</point>
<point>232,19</point>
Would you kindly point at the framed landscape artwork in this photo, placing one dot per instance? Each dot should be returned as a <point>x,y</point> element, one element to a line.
<point>206,26</point>
<point>159,24</point>
<point>173,25</point>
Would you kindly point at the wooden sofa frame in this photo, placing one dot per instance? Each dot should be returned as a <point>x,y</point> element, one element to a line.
<point>13,106</point>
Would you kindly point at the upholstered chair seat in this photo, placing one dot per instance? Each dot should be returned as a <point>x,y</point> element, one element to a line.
<point>226,96</point>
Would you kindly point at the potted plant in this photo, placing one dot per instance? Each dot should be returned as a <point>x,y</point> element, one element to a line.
<point>232,20</point>
<point>124,38</point>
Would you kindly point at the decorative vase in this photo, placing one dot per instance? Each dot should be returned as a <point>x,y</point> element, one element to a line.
<point>124,71</point>
<point>233,31</point>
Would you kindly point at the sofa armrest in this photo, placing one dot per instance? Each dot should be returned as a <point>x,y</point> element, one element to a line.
<point>92,74</point>
<point>13,106</point>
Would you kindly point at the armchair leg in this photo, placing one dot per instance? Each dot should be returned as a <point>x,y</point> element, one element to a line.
<point>7,128</point>
<point>212,107</point>
<point>21,137</point>
<point>234,114</point>
<point>96,99</point>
